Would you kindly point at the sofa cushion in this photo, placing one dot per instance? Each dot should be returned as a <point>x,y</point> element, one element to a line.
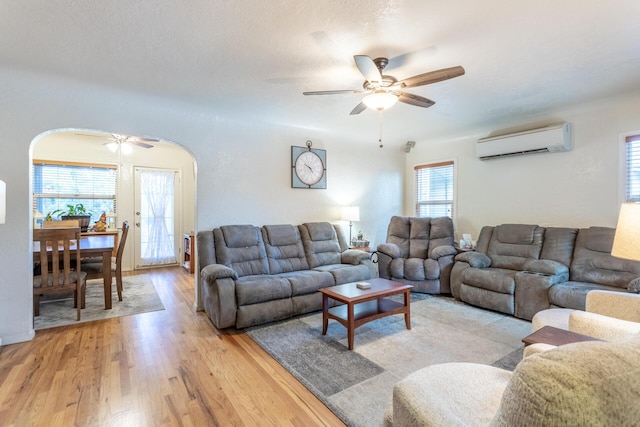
<point>240,236</point>
<point>559,244</point>
<point>492,279</point>
<point>420,230</point>
<point>574,294</point>
<point>346,273</point>
<point>512,245</point>
<point>261,288</point>
<point>284,248</point>
<point>415,269</point>
<point>320,243</point>
<point>593,263</point>
<point>246,254</point>
<point>308,281</point>
<point>398,233</point>
<point>441,234</point>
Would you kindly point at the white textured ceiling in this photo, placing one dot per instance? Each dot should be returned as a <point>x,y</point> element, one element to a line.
<point>256,57</point>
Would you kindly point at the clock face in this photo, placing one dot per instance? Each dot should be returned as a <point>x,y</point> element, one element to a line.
<point>309,168</point>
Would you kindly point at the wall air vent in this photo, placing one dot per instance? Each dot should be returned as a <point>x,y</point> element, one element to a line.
<point>549,139</point>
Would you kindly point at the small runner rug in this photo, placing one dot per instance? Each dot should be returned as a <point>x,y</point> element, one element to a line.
<point>138,296</point>
<point>357,385</point>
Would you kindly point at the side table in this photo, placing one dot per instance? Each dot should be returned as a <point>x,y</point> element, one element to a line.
<point>555,336</point>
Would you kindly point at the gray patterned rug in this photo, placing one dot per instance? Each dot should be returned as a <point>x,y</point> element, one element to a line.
<point>138,296</point>
<point>357,385</point>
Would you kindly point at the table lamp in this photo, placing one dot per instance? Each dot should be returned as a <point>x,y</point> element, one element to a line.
<point>350,213</point>
<point>626,243</point>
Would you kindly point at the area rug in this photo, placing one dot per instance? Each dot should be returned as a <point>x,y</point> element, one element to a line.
<point>138,296</point>
<point>357,385</point>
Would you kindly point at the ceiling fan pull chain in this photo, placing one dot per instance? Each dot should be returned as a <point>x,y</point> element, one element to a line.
<point>380,136</point>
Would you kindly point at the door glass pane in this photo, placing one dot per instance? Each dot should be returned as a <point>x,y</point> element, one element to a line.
<point>157,194</point>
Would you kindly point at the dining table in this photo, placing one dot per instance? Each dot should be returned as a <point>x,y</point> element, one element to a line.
<point>93,246</point>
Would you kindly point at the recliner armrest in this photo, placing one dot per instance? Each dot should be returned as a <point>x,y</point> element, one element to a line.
<point>545,266</point>
<point>390,249</point>
<point>354,256</point>
<point>444,250</point>
<point>212,272</point>
<point>474,259</point>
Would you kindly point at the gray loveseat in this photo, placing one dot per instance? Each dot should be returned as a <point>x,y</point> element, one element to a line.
<point>520,269</point>
<point>252,275</point>
<point>419,252</point>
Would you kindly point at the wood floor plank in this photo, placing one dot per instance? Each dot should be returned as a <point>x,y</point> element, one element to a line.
<point>164,368</point>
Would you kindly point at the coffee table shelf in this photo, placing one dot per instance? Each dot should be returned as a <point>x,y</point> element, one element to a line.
<point>366,311</point>
<point>364,305</point>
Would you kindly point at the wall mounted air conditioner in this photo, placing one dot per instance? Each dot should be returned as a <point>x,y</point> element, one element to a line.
<point>548,139</point>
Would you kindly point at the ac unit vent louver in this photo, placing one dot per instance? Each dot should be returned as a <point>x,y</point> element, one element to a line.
<point>549,139</point>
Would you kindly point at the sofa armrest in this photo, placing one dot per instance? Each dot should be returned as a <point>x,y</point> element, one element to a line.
<point>545,266</point>
<point>602,327</point>
<point>621,305</point>
<point>212,272</point>
<point>444,250</point>
<point>354,256</point>
<point>474,259</point>
<point>390,249</point>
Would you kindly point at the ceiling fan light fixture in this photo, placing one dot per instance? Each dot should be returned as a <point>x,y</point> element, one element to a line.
<point>380,100</point>
<point>126,148</point>
<point>113,146</point>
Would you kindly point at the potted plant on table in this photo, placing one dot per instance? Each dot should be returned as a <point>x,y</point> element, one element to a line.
<point>77,211</point>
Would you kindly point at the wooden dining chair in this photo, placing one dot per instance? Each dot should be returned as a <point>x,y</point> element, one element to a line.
<point>58,247</point>
<point>93,268</point>
<point>65,223</point>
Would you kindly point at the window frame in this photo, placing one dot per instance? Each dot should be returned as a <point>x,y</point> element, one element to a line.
<point>625,163</point>
<point>452,201</point>
<point>81,196</point>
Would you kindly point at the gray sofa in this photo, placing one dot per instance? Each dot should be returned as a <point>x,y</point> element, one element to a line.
<point>252,275</point>
<point>520,269</point>
<point>419,252</point>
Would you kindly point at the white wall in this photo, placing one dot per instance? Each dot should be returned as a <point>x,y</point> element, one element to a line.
<point>578,188</point>
<point>243,170</point>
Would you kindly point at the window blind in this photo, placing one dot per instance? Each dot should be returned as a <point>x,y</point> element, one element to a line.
<point>434,190</point>
<point>58,184</point>
<point>632,181</point>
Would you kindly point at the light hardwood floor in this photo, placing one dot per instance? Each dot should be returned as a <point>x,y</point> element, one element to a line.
<point>169,368</point>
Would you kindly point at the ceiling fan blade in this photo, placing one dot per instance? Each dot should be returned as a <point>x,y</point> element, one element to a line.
<point>368,69</point>
<point>92,135</point>
<point>359,109</point>
<point>332,92</point>
<point>411,99</point>
<point>140,144</point>
<point>432,77</point>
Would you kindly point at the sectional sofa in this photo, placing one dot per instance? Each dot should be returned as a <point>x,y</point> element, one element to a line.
<point>520,269</point>
<point>252,275</point>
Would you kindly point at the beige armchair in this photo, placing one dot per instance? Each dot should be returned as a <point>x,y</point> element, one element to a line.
<point>608,315</point>
<point>585,383</point>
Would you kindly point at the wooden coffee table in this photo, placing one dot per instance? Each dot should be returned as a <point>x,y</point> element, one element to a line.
<point>364,305</point>
<point>555,336</point>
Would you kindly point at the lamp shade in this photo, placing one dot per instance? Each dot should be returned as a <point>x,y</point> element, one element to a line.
<point>3,202</point>
<point>626,243</point>
<point>380,100</point>
<point>351,213</point>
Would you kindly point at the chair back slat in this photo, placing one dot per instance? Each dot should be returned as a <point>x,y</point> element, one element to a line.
<point>64,223</point>
<point>58,248</point>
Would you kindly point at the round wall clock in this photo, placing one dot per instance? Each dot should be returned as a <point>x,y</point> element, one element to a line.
<point>308,167</point>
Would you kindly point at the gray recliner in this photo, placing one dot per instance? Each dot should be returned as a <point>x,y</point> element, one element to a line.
<point>419,252</point>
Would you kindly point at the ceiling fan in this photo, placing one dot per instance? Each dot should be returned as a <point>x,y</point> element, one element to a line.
<point>116,140</point>
<point>384,90</point>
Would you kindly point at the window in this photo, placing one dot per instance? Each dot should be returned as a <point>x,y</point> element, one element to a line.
<point>632,160</point>
<point>434,190</point>
<point>58,184</point>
